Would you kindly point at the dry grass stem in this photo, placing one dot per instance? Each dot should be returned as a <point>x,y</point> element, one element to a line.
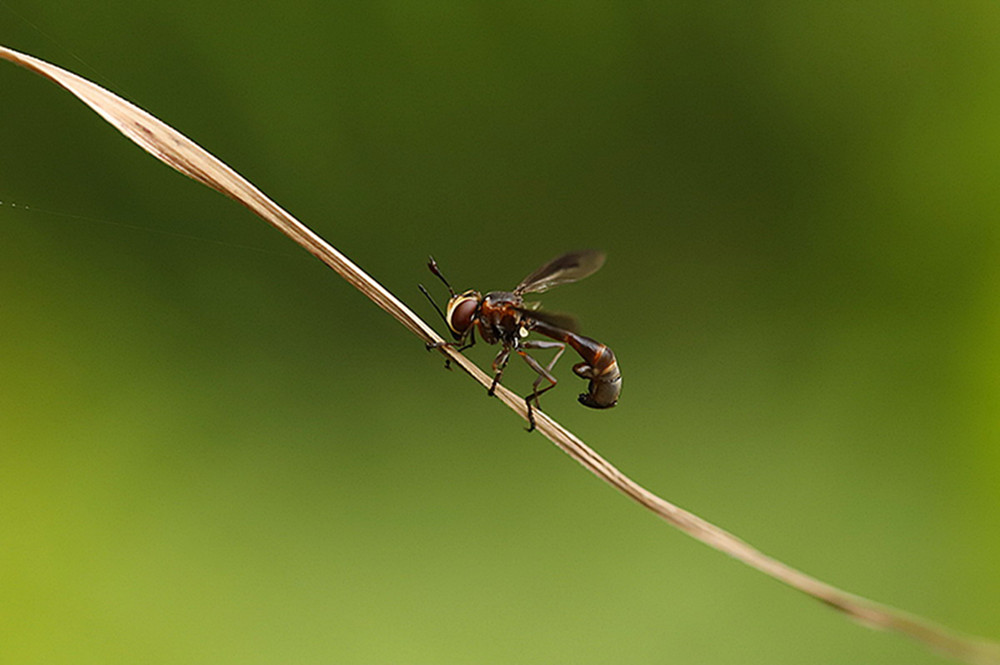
<point>174,149</point>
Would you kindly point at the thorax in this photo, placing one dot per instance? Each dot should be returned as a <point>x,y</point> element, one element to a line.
<point>499,321</point>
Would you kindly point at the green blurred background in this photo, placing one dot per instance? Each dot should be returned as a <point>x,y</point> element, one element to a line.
<point>213,450</point>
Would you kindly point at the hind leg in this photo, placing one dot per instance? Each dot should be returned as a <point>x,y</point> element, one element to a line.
<point>544,373</point>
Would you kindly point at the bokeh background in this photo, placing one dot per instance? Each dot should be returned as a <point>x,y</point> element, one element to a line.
<point>213,450</point>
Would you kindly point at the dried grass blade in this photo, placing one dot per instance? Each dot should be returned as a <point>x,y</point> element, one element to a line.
<point>179,152</point>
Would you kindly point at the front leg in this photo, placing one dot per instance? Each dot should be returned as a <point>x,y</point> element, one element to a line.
<point>498,365</point>
<point>430,346</point>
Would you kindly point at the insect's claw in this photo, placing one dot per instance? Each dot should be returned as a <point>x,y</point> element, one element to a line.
<point>531,415</point>
<point>493,386</point>
<point>531,423</point>
<point>431,346</point>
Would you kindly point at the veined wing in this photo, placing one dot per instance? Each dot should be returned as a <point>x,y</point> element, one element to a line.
<point>557,319</point>
<point>562,270</point>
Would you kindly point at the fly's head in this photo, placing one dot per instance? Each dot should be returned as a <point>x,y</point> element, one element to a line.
<point>463,312</point>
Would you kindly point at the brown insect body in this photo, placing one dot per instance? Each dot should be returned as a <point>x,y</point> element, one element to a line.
<point>502,318</point>
<point>499,320</point>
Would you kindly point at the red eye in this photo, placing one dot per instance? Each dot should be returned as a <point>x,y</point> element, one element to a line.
<point>462,313</point>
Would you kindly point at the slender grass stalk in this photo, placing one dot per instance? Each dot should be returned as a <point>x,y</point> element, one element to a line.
<point>179,152</point>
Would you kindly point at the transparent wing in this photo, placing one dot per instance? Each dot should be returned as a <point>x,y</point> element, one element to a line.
<point>557,319</point>
<point>562,270</point>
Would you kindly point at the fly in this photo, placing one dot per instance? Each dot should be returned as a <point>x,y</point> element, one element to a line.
<point>501,317</point>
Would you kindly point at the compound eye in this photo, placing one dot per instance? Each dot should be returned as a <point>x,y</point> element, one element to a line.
<point>462,313</point>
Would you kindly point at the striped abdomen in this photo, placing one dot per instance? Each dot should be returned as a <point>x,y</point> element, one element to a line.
<point>600,366</point>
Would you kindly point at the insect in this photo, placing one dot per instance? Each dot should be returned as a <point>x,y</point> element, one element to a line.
<point>502,317</point>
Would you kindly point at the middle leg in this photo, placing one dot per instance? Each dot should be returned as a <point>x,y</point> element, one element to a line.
<point>499,363</point>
